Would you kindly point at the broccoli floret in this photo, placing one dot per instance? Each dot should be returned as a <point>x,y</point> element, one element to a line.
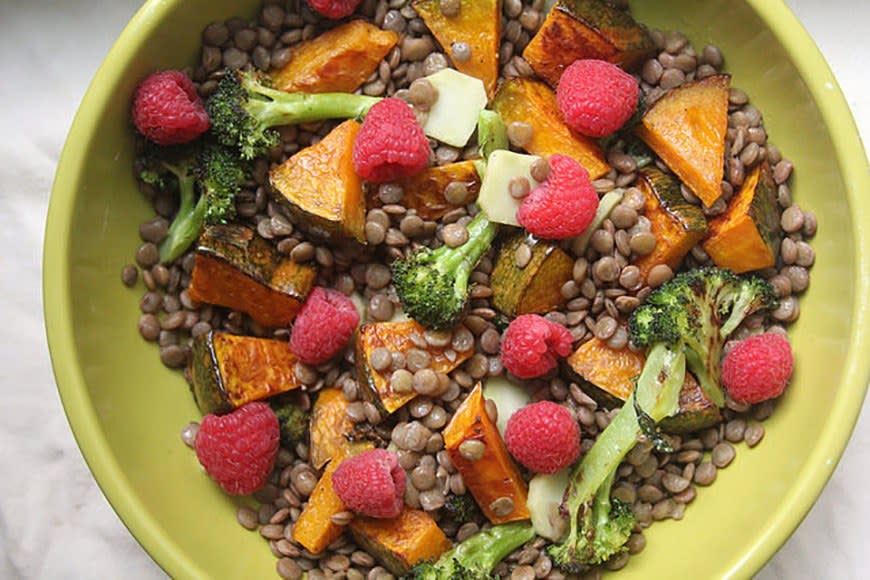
<point>699,309</point>
<point>213,171</point>
<point>292,420</point>
<point>685,320</point>
<point>243,110</point>
<point>433,284</point>
<point>475,558</point>
<point>462,508</point>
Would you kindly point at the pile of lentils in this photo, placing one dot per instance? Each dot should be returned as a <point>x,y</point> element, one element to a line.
<point>605,287</point>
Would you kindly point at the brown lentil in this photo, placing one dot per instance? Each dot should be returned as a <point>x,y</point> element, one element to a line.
<point>519,133</point>
<point>519,187</point>
<point>754,433</point>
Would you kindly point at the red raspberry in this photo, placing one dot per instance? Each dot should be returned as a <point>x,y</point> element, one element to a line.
<point>238,450</point>
<point>167,110</point>
<point>596,97</point>
<point>390,144</point>
<point>758,368</point>
<point>371,484</point>
<point>530,345</point>
<point>543,436</point>
<point>324,325</point>
<point>564,205</point>
<point>334,8</point>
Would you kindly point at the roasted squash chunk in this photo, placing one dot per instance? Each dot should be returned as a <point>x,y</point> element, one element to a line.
<point>239,270</point>
<point>608,376</point>
<point>676,224</point>
<point>493,479</point>
<point>576,29</point>
<point>746,237</point>
<point>228,370</point>
<point>339,60</point>
<point>687,128</point>
<point>315,529</point>
<point>424,191</point>
<point>478,24</point>
<point>321,187</point>
<point>533,102</point>
<point>397,337</point>
<point>400,543</point>
<point>536,287</point>
<point>330,426</point>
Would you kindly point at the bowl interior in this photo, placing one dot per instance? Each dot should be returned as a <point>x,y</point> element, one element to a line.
<point>127,410</point>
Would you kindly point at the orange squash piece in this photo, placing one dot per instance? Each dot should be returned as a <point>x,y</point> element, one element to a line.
<point>478,24</point>
<point>397,337</point>
<point>339,60</point>
<point>329,425</point>
<point>314,529</point>
<point>321,186</point>
<point>687,128</point>
<point>536,287</point>
<point>609,373</point>
<point>494,477</point>
<point>239,270</point>
<point>228,371</point>
<point>676,224</point>
<point>576,29</point>
<point>533,102</point>
<point>400,543</point>
<point>747,236</point>
<point>424,191</point>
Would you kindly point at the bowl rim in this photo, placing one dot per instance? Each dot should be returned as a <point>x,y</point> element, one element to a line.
<point>795,505</point>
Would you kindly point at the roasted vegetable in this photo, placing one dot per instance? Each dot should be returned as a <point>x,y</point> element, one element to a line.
<point>228,371</point>
<point>491,133</point>
<point>397,337</point>
<point>687,128</point>
<point>315,529</point>
<point>479,454</point>
<point>477,556</point>
<point>239,270</point>
<point>330,426</point>
<point>747,236</point>
<point>243,111</point>
<point>433,284</point>
<point>533,102</point>
<point>338,60</point>
<point>478,24</point>
<point>321,187</point>
<point>424,192</point>
<point>676,224</point>
<point>400,543</point>
<point>608,376</point>
<point>576,29</point>
<point>462,508</point>
<point>215,172</point>
<point>292,419</point>
<point>535,287</point>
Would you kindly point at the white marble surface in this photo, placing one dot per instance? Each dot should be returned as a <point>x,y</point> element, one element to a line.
<point>54,522</point>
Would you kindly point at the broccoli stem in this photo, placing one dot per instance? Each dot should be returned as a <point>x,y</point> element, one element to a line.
<point>484,550</point>
<point>187,224</point>
<point>462,260</point>
<point>601,503</point>
<point>658,392</point>
<point>294,108</point>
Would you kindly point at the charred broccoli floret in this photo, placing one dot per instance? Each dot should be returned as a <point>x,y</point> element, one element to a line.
<point>433,284</point>
<point>292,420</point>
<point>685,321</point>
<point>243,110</point>
<point>475,558</point>
<point>207,177</point>
<point>462,508</point>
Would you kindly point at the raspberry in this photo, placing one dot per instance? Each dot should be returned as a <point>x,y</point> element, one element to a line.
<point>238,450</point>
<point>324,325</point>
<point>390,144</point>
<point>167,110</point>
<point>530,346</point>
<point>334,8</point>
<point>563,206</point>
<point>758,368</point>
<point>543,436</point>
<point>596,98</point>
<point>371,484</point>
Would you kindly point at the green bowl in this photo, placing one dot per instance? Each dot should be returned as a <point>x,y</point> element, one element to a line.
<point>126,409</point>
